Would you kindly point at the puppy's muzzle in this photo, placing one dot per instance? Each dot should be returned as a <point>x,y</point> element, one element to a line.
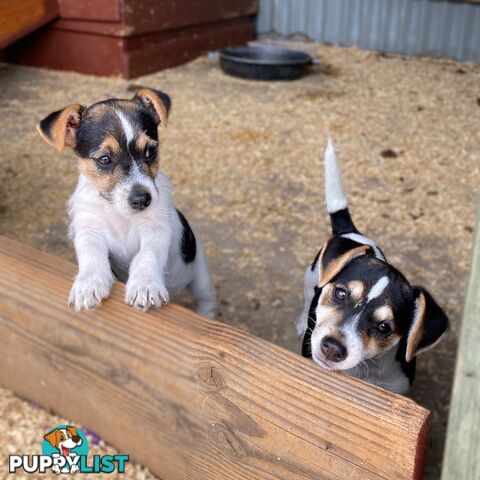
<point>333,350</point>
<point>139,198</point>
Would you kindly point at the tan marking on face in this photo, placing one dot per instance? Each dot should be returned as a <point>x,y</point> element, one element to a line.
<point>142,141</point>
<point>328,317</point>
<point>105,182</point>
<point>357,289</point>
<point>109,145</point>
<point>152,169</point>
<point>383,314</point>
<point>326,295</point>
<point>374,346</point>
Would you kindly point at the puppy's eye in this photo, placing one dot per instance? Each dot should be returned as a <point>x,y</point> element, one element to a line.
<point>151,153</point>
<point>104,160</point>
<point>384,328</point>
<point>340,293</point>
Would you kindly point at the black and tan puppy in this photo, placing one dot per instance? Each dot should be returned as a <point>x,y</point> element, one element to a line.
<point>123,220</point>
<point>361,315</point>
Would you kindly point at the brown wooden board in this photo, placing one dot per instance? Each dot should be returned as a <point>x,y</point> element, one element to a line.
<point>134,37</point>
<point>153,15</point>
<point>133,17</point>
<point>207,400</point>
<point>155,51</point>
<point>127,57</point>
<point>74,51</point>
<point>97,10</point>
<point>19,18</point>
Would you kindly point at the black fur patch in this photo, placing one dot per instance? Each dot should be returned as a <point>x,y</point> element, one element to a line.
<point>315,260</point>
<point>342,222</point>
<point>312,320</point>
<point>436,321</point>
<point>337,246</point>
<point>188,246</point>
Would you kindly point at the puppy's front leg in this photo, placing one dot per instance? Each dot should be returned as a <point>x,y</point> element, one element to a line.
<point>94,280</point>
<point>146,280</point>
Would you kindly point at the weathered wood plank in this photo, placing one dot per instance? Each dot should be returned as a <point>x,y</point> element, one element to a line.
<point>462,454</point>
<point>208,401</point>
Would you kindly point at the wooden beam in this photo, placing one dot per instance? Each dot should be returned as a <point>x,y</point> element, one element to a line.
<point>462,453</point>
<point>193,398</point>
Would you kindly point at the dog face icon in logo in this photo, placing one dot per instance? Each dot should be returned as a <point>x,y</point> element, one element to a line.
<point>65,441</point>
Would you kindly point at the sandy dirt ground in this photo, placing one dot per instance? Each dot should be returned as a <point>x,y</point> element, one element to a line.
<point>245,159</point>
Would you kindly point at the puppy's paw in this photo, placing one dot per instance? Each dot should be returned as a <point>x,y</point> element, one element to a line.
<point>56,469</point>
<point>144,295</point>
<point>74,469</point>
<point>88,291</point>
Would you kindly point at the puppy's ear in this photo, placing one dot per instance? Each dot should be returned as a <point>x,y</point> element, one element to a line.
<point>428,325</point>
<point>157,102</point>
<point>59,129</point>
<point>336,254</point>
<point>52,438</point>
<point>72,430</point>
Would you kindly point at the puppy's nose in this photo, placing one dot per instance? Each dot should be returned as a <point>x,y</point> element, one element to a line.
<point>333,349</point>
<point>76,439</point>
<point>139,199</point>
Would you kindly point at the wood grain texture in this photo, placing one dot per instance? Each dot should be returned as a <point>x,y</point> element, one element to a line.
<point>189,397</point>
<point>18,19</point>
<point>462,454</point>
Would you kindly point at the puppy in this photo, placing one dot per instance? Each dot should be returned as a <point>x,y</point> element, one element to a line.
<point>64,440</point>
<point>361,315</point>
<point>123,221</point>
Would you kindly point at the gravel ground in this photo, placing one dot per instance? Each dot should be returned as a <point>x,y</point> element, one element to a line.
<point>245,162</point>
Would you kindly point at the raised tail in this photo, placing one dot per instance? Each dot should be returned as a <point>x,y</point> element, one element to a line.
<point>337,204</point>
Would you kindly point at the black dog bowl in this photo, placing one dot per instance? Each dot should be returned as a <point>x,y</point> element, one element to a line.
<point>264,63</point>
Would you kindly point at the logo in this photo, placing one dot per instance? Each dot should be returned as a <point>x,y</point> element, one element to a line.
<point>65,450</point>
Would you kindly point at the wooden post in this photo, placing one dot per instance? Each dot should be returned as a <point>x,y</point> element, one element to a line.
<point>193,398</point>
<point>462,454</point>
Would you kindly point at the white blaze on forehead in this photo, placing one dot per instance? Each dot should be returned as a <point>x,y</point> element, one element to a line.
<point>126,125</point>
<point>378,288</point>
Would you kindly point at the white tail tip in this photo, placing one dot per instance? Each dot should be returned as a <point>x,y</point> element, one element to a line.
<point>334,194</point>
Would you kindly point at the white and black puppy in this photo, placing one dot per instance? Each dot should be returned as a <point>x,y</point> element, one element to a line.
<point>123,221</point>
<point>361,315</point>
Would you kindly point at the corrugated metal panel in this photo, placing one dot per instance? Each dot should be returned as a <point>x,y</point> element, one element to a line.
<point>414,27</point>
